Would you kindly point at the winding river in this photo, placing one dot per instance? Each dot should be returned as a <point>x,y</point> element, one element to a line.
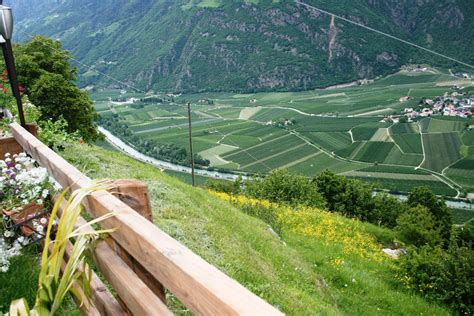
<point>132,152</point>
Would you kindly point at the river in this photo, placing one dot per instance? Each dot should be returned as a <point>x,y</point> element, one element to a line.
<point>132,152</point>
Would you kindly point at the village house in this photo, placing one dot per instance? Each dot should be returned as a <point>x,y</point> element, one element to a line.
<point>405,98</point>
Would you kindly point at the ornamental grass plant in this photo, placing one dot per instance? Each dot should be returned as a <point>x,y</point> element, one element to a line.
<point>54,281</point>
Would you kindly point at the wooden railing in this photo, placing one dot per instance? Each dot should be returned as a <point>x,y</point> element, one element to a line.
<point>139,259</point>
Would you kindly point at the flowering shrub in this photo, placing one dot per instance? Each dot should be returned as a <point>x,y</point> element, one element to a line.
<point>315,223</point>
<point>22,185</point>
<point>5,95</point>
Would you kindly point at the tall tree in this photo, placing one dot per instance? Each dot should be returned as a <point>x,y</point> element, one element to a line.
<point>49,79</point>
<point>436,206</point>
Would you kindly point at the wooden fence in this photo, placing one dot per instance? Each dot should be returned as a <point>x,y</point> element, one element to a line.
<point>139,260</point>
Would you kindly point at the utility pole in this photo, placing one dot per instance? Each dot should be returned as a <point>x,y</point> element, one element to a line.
<point>191,143</point>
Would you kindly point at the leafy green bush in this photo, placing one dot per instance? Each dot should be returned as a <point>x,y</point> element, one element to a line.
<point>283,187</point>
<point>355,198</point>
<point>436,206</point>
<point>225,186</point>
<point>49,80</point>
<point>442,275</point>
<point>418,227</point>
<point>54,134</point>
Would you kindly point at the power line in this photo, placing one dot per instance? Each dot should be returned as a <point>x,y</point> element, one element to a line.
<point>85,65</point>
<point>384,34</point>
<point>136,89</point>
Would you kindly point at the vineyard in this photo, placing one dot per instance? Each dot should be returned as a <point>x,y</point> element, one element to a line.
<point>307,132</point>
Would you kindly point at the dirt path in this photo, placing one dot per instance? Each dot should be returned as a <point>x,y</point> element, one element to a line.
<point>294,163</point>
<point>247,113</point>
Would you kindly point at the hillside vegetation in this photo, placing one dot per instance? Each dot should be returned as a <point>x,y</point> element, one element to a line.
<point>324,263</point>
<point>192,45</point>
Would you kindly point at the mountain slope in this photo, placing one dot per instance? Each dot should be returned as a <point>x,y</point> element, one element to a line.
<point>191,45</point>
<point>300,274</point>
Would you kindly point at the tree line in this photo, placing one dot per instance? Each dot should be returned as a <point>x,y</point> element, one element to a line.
<point>168,152</point>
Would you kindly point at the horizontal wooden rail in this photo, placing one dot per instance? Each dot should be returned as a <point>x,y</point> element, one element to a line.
<point>200,286</point>
<point>138,298</point>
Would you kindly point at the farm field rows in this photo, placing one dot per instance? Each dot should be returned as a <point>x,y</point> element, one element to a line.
<point>307,132</point>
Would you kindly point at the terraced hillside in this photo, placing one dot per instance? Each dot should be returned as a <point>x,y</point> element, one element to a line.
<point>308,132</point>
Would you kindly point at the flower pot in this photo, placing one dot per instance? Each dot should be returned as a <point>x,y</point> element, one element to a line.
<point>28,212</point>
<point>10,145</point>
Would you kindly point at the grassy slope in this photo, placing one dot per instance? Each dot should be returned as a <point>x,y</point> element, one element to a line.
<point>296,275</point>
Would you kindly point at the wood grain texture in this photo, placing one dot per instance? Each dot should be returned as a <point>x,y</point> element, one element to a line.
<point>136,297</point>
<point>135,194</point>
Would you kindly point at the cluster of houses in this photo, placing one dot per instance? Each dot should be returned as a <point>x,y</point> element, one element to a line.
<point>454,104</point>
<point>450,104</point>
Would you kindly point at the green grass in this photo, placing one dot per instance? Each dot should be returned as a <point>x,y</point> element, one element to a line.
<point>441,150</point>
<point>443,126</point>
<point>316,165</point>
<point>394,169</point>
<point>463,173</point>
<point>186,177</point>
<point>374,152</point>
<point>396,157</point>
<point>331,141</point>
<point>404,128</point>
<point>328,124</point>
<point>363,133</point>
<point>468,138</point>
<point>21,281</point>
<point>296,275</point>
<point>409,143</point>
<point>461,216</point>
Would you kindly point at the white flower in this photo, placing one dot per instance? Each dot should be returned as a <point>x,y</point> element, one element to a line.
<point>7,155</point>
<point>43,221</point>
<point>8,234</point>
<point>45,193</point>
<point>8,160</point>
<point>18,167</point>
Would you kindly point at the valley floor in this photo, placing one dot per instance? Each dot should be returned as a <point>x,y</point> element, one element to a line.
<point>307,132</point>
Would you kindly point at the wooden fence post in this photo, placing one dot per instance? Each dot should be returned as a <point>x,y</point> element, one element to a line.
<point>134,193</point>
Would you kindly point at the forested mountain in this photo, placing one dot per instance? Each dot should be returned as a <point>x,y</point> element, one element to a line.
<point>237,45</point>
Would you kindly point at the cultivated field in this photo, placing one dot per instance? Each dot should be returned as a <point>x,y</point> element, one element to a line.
<point>308,132</point>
